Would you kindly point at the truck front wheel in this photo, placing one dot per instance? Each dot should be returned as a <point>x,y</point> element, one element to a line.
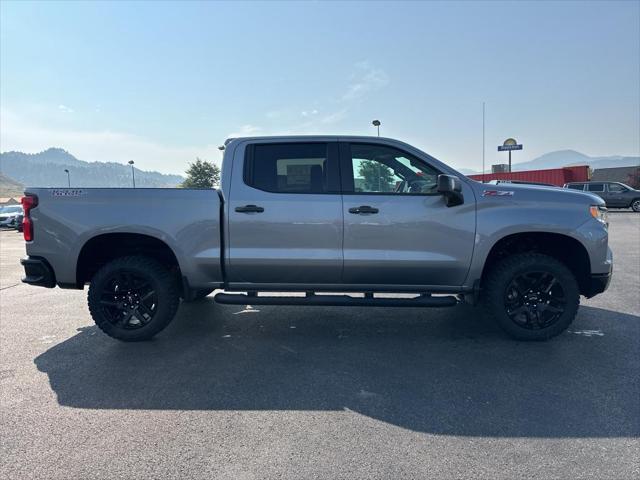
<point>531,296</point>
<point>133,298</point>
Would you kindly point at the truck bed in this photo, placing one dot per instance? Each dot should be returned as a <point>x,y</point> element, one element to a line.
<point>188,221</point>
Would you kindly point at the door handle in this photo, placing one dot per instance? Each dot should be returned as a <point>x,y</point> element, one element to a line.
<point>363,209</point>
<point>250,209</point>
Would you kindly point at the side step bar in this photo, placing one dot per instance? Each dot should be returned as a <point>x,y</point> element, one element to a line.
<point>336,300</point>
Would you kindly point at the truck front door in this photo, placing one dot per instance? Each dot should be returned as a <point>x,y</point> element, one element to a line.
<point>285,214</point>
<point>397,228</point>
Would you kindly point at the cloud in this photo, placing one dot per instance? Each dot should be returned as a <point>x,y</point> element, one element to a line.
<point>65,109</point>
<point>309,113</point>
<point>26,135</point>
<point>365,79</point>
<point>334,117</point>
<point>247,130</point>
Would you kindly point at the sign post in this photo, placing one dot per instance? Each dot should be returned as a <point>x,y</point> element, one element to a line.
<point>508,145</point>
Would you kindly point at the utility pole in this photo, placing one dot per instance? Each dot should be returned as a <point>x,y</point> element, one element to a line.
<point>133,173</point>
<point>483,142</point>
<point>68,177</point>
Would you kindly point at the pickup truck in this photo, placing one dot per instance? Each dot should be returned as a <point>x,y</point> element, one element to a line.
<point>360,217</point>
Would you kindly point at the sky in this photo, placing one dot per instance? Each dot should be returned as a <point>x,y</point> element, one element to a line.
<point>161,83</point>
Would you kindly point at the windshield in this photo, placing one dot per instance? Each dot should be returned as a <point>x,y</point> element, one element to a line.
<point>11,209</point>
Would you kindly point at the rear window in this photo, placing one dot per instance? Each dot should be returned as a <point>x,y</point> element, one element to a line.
<point>576,186</point>
<point>287,168</point>
<point>595,187</point>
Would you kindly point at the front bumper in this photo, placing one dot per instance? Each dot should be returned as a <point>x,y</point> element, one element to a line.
<point>10,222</point>
<point>598,284</point>
<point>38,272</point>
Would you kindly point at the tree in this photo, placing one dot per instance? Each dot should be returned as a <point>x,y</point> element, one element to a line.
<point>201,174</point>
<point>377,176</point>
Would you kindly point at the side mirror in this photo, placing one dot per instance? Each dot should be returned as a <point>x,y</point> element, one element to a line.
<point>451,188</point>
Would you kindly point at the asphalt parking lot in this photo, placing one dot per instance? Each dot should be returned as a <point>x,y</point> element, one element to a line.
<point>286,392</point>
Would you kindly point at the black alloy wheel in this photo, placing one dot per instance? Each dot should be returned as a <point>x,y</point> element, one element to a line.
<point>129,299</point>
<point>133,298</point>
<point>535,300</point>
<point>531,296</point>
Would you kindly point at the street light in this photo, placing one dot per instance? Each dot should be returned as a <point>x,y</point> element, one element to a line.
<point>68,177</point>
<point>133,173</point>
<point>376,123</point>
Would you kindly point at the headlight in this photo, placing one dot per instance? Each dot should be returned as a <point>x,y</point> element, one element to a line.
<point>599,213</point>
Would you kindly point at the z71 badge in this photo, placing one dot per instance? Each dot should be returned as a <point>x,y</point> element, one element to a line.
<point>497,193</point>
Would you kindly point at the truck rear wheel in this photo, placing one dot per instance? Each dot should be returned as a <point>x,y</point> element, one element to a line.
<point>133,298</point>
<point>531,296</point>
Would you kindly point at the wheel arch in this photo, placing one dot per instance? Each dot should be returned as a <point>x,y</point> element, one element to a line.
<point>105,247</point>
<point>564,248</point>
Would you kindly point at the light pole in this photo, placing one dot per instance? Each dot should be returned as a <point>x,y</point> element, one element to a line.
<point>376,123</point>
<point>68,177</point>
<point>483,146</point>
<point>133,173</point>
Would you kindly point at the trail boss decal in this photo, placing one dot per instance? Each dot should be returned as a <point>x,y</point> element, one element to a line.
<point>497,193</point>
<point>67,192</point>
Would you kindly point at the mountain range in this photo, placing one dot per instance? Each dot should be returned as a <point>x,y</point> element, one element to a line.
<point>9,187</point>
<point>567,158</point>
<point>46,169</point>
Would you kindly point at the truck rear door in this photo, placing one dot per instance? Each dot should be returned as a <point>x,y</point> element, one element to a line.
<point>397,228</point>
<point>284,214</point>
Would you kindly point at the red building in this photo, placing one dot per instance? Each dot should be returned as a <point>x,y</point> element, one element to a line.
<point>553,176</point>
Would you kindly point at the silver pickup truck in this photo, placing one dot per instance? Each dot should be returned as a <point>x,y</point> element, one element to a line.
<point>360,216</point>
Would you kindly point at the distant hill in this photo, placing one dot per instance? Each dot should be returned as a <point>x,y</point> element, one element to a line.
<point>567,158</point>
<point>9,187</point>
<point>46,169</point>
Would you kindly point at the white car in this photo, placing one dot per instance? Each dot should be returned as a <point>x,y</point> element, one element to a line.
<point>9,216</point>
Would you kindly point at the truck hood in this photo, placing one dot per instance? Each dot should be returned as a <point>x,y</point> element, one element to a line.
<point>535,193</point>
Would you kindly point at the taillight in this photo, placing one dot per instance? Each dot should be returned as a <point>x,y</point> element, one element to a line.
<point>29,202</point>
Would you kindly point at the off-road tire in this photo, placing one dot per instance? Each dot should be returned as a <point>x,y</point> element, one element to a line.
<point>499,278</point>
<point>162,281</point>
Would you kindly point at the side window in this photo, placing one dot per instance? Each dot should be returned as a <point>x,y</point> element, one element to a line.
<point>382,169</point>
<point>288,168</point>
<point>595,187</point>
<point>616,188</point>
<point>579,186</point>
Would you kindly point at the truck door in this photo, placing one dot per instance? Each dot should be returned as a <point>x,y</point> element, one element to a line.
<point>284,212</point>
<point>397,228</point>
<point>616,195</point>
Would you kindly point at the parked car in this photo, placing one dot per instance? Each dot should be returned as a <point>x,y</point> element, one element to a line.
<point>10,215</point>
<point>18,222</point>
<point>318,214</point>
<point>615,194</point>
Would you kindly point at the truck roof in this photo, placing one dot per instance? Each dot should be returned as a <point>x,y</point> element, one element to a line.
<point>311,137</point>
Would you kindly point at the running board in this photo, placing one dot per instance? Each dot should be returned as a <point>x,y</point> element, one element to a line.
<point>336,300</point>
